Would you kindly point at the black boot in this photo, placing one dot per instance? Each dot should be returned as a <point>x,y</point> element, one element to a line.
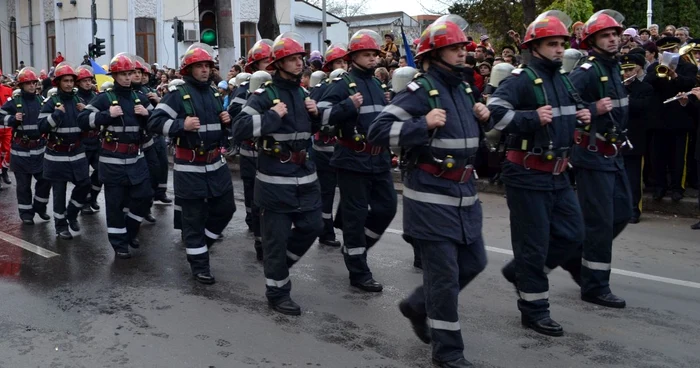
<point>135,243</point>
<point>545,326</point>
<point>6,176</point>
<point>370,285</point>
<point>123,255</point>
<point>458,363</point>
<point>695,226</point>
<point>329,242</point>
<point>607,300</point>
<point>44,216</point>
<point>418,322</point>
<point>288,307</point>
<point>205,278</point>
<point>74,225</point>
<point>64,234</point>
<point>258,250</point>
<point>150,218</point>
<point>163,199</point>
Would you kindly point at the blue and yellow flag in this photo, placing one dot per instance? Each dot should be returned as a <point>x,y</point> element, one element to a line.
<point>100,74</point>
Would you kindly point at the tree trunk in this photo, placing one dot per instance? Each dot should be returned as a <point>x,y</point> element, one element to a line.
<point>529,11</point>
<point>227,55</point>
<point>268,25</point>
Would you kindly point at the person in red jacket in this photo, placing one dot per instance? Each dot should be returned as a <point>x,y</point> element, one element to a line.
<point>5,137</point>
<point>59,59</point>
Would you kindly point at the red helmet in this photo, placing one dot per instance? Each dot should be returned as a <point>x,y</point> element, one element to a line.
<point>62,69</point>
<point>334,52</point>
<point>363,39</point>
<point>27,75</point>
<point>121,62</point>
<point>599,21</point>
<point>288,44</point>
<point>141,64</point>
<point>196,53</point>
<point>445,31</point>
<point>553,23</point>
<point>84,71</point>
<point>262,50</point>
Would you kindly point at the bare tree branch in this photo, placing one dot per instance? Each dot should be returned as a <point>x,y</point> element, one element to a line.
<point>343,8</point>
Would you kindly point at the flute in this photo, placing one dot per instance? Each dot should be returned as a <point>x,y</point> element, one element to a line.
<point>678,97</point>
<point>629,79</point>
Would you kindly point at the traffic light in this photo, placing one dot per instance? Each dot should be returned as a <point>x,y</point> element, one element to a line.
<point>97,48</point>
<point>178,30</point>
<point>207,22</point>
<point>90,50</point>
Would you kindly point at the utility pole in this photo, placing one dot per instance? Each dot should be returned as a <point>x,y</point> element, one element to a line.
<point>224,27</point>
<point>175,23</point>
<point>324,36</point>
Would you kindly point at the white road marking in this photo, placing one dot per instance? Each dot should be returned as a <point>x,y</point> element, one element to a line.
<point>638,275</point>
<point>27,245</point>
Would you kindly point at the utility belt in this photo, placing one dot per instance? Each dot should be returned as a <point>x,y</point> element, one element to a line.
<point>540,160</point>
<point>125,148</point>
<point>282,151</point>
<point>90,134</point>
<point>607,149</point>
<point>55,146</point>
<point>448,168</point>
<point>250,143</point>
<point>326,139</point>
<point>361,146</point>
<point>198,154</point>
<point>25,142</point>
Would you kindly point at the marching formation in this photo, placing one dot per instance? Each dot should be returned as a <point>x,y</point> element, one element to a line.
<point>296,145</point>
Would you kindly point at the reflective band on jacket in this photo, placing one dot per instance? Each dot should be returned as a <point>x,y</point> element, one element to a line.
<point>439,198</point>
<point>287,180</point>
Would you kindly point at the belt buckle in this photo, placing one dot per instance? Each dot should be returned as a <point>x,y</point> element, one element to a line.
<point>617,151</point>
<point>364,145</point>
<point>210,156</point>
<point>375,150</point>
<point>116,146</point>
<point>284,161</point>
<point>71,147</point>
<point>558,166</point>
<point>194,155</point>
<point>465,170</point>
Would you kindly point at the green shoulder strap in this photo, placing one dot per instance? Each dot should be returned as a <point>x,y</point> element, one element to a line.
<point>186,100</point>
<point>433,94</point>
<point>219,103</point>
<point>538,87</point>
<point>274,95</point>
<point>602,76</point>
<point>352,86</point>
<point>18,102</point>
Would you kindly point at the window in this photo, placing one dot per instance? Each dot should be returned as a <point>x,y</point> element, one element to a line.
<point>247,37</point>
<point>13,43</point>
<point>50,42</point>
<point>146,39</point>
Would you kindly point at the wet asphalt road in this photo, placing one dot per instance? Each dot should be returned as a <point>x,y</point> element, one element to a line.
<point>84,309</point>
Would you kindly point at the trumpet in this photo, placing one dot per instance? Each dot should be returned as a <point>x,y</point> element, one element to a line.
<point>668,62</point>
<point>682,95</point>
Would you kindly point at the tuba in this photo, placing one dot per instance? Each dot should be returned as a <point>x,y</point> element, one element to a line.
<point>668,61</point>
<point>686,53</point>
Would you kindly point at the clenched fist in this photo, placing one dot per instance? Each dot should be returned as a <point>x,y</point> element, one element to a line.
<point>584,116</point>
<point>604,105</point>
<point>140,110</point>
<point>545,114</point>
<point>19,116</point>
<point>80,106</point>
<point>224,117</point>
<point>357,100</point>
<point>61,108</point>
<point>115,111</point>
<point>280,109</point>
<point>481,112</point>
<point>436,118</point>
<point>311,107</point>
<point>191,123</point>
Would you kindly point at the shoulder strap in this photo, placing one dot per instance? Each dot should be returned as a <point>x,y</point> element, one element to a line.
<point>352,86</point>
<point>18,103</point>
<point>380,84</point>
<point>602,76</point>
<point>186,100</point>
<point>469,92</point>
<point>537,86</point>
<point>219,103</point>
<point>433,94</point>
<point>112,97</point>
<point>56,101</point>
<point>272,92</point>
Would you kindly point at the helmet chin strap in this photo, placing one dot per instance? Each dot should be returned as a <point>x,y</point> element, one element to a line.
<point>448,66</point>
<point>294,76</point>
<point>598,49</point>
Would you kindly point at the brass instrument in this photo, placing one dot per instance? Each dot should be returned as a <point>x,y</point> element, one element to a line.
<point>668,62</point>
<point>686,53</point>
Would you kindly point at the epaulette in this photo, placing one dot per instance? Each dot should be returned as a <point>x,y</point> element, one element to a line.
<point>586,66</point>
<point>591,58</point>
<point>517,71</point>
<point>268,83</point>
<point>337,79</point>
<point>317,85</point>
<point>243,83</point>
<point>413,86</point>
<point>259,91</point>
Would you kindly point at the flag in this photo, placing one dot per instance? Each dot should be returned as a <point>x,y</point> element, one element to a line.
<point>407,49</point>
<point>100,74</point>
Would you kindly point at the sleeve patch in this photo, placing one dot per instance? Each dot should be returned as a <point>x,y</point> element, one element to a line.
<point>413,86</point>
<point>586,66</point>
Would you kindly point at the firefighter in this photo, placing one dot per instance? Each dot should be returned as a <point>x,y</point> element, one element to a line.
<point>64,159</point>
<point>155,167</point>
<point>536,107</point>
<point>5,140</point>
<point>436,121</point>
<point>282,119</point>
<point>159,144</point>
<point>21,114</point>
<point>324,144</point>
<point>259,57</point>
<point>90,138</point>
<point>120,114</point>
<point>602,186</point>
<point>193,115</point>
<point>367,194</point>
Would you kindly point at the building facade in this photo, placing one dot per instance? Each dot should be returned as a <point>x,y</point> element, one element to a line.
<point>33,31</point>
<point>384,23</point>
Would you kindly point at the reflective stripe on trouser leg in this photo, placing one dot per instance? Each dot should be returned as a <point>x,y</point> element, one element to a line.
<point>42,189</point>
<point>194,217</point>
<point>307,227</point>
<point>58,189</point>
<point>354,202</point>
<point>77,198</point>
<point>139,202</point>
<point>116,220</point>
<point>595,193</point>
<point>447,269</point>
<point>383,207</point>
<point>219,212</point>
<point>328,181</point>
<point>177,213</point>
<point>24,195</point>
<point>248,169</point>
<point>276,228</point>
